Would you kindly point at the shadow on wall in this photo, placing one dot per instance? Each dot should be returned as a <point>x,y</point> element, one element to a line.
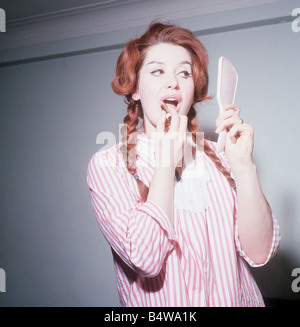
<point>275,279</point>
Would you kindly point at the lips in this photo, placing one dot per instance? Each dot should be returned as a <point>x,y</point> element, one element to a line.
<point>172,100</point>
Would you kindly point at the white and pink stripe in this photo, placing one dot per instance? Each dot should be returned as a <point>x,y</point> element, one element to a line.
<point>199,262</point>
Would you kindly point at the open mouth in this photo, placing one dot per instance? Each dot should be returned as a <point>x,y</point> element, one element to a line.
<point>171,101</point>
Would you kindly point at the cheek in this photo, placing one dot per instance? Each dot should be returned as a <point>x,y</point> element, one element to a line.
<point>146,89</point>
<point>189,96</point>
<point>151,109</point>
<point>149,93</point>
<point>192,89</point>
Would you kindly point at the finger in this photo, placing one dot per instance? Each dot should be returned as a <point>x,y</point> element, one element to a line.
<point>230,111</point>
<point>227,123</point>
<point>225,115</point>
<point>160,127</point>
<point>236,109</point>
<point>238,130</point>
<point>183,129</point>
<point>183,123</point>
<point>174,121</point>
<point>174,126</point>
<point>234,133</point>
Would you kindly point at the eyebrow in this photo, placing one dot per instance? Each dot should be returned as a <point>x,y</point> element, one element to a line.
<point>162,63</point>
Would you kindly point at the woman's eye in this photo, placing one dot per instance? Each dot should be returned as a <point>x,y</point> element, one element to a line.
<point>185,74</point>
<point>157,72</point>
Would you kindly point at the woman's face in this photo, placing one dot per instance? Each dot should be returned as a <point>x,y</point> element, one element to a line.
<point>165,76</point>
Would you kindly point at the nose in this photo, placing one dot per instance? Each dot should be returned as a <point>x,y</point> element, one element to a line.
<point>172,82</point>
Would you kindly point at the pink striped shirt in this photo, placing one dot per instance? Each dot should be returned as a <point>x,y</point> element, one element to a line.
<point>198,262</point>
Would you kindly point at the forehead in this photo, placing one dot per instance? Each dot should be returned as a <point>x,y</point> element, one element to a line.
<point>167,53</point>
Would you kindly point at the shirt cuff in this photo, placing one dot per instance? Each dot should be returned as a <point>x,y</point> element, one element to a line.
<point>273,249</point>
<point>154,210</point>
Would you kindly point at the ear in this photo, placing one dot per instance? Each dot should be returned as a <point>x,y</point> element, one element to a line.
<point>136,96</point>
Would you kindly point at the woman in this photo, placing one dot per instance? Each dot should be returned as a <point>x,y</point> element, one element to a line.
<point>181,219</point>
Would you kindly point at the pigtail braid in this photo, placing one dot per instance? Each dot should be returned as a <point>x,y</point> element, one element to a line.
<point>129,141</point>
<point>193,127</point>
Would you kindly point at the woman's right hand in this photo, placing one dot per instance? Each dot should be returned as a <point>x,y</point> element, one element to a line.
<point>170,142</point>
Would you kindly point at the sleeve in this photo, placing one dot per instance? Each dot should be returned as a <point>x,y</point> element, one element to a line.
<point>276,230</point>
<point>140,233</point>
<point>273,249</point>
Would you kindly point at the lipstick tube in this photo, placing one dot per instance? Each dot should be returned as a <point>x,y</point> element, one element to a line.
<point>166,109</point>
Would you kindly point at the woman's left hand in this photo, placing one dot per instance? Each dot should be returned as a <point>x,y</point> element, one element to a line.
<point>240,136</point>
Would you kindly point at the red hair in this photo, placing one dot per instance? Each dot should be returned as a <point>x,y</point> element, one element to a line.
<point>133,55</point>
<point>129,64</point>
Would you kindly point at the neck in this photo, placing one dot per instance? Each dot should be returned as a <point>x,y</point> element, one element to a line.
<point>149,129</point>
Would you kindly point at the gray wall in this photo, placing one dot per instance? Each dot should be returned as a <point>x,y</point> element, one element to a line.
<point>52,110</point>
